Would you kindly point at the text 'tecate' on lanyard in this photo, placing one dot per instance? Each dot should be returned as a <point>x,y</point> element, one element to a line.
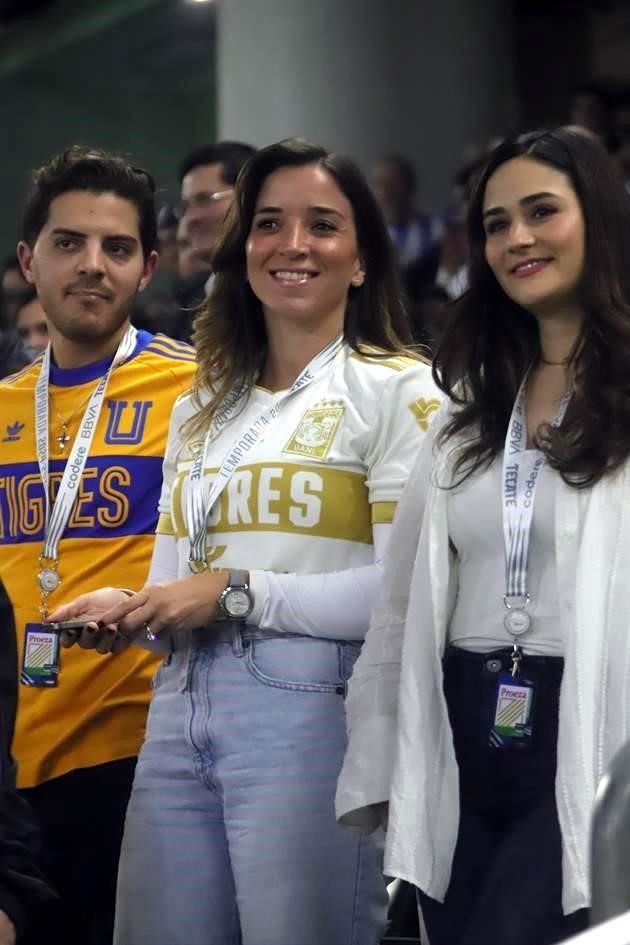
<point>200,498</point>
<point>521,472</point>
<point>58,513</point>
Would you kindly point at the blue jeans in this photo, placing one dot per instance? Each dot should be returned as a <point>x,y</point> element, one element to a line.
<point>230,836</point>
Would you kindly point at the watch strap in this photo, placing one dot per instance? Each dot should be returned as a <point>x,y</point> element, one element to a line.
<point>238,580</point>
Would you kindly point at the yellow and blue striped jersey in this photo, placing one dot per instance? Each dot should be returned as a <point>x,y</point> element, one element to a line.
<point>97,711</point>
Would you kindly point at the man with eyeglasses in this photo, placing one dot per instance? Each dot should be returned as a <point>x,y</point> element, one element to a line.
<point>207,177</point>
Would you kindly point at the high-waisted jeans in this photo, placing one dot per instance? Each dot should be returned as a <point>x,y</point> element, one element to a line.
<point>230,836</point>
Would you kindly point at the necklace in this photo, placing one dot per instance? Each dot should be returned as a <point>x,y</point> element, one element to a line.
<point>554,363</point>
<point>63,437</point>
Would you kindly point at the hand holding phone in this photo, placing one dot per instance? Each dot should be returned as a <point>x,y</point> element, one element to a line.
<point>61,625</point>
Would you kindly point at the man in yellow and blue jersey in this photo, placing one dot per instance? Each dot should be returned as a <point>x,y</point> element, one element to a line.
<point>99,403</point>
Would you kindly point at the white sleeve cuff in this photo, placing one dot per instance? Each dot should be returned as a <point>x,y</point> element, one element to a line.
<point>364,781</point>
<point>259,587</point>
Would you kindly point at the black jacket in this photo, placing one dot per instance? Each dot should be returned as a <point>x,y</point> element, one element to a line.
<point>23,890</point>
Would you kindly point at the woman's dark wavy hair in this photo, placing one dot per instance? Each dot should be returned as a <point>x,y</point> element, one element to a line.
<point>491,341</point>
<point>229,331</point>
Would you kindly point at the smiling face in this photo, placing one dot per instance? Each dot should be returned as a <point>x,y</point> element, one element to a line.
<point>88,266</point>
<point>535,235</point>
<point>302,252</point>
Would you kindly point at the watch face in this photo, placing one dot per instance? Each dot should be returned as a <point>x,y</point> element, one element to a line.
<point>237,603</point>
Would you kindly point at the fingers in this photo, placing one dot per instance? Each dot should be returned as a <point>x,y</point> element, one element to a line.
<point>92,637</point>
<point>68,638</point>
<point>115,614</point>
<point>136,623</point>
<point>72,611</point>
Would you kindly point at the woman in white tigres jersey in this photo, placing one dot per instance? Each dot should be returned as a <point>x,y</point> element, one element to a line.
<point>286,460</point>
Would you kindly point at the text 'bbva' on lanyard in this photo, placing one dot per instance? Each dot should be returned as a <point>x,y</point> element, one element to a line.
<point>58,513</point>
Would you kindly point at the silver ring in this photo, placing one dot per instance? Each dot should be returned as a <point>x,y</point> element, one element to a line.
<point>148,633</point>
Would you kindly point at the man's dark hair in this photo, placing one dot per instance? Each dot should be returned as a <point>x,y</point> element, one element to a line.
<point>231,155</point>
<point>97,172</point>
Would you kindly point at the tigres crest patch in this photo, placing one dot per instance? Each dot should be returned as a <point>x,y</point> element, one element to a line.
<point>423,409</point>
<point>316,430</point>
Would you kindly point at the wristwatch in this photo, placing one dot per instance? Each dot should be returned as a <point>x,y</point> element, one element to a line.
<point>236,601</point>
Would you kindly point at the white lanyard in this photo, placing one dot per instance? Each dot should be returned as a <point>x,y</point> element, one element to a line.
<point>200,499</point>
<point>57,516</point>
<point>521,473</point>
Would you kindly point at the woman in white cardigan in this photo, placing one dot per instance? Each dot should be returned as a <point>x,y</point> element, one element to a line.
<point>493,687</point>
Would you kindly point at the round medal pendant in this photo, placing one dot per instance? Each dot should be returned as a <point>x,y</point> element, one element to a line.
<point>197,567</point>
<point>517,622</point>
<point>49,580</point>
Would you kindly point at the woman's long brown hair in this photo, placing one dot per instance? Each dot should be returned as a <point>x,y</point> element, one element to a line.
<point>490,341</point>
<point>229,331</point>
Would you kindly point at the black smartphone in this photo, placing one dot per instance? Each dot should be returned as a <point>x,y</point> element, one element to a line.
<point>62,625</point>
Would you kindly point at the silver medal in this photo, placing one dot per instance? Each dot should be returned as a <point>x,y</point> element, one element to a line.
<point>49,580</point>
<point>517,622</point>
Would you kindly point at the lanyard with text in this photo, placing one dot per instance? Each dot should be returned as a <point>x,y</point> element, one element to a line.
<point>521,472</point>
<point>200,499</point>
<point>58,513</point>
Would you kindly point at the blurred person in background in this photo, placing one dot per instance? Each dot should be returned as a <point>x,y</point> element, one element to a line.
<point>14,285</point>
<point>12,354</point>
<point>185,259</point>
<point>31,324</point>
<point>207,176</point>
<point>446,266</point>
<point>591,108</point>
<point>452,270</point>
<point>156,308</point>
<point>167,223</point>
<point>427,315</point>
<point>414,234</point>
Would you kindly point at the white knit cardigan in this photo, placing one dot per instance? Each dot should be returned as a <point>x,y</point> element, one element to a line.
<point>400,743</point>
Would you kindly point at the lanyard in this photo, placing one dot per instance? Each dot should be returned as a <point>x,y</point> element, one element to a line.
<point>200,499</point>
<point>58,513</point>
<point>521,474</point>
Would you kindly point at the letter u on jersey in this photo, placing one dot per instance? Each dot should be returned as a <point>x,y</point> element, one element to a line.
<point>125,424</point>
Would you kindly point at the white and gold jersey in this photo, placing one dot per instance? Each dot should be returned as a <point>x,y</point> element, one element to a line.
<point>332,465</point>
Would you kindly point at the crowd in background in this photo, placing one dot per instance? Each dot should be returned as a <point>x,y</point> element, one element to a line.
<point>430,246</point>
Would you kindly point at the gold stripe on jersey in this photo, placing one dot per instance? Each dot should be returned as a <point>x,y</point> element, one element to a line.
<point>393,362</point>
<point>289,498</point>
<point>164,346</point>
<point>165,525</point>
<point>383,512</point>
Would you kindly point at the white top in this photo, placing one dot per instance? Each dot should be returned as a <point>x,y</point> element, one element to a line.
<point>476,529</point>
<point>309,510</point>
<point>400,741</point>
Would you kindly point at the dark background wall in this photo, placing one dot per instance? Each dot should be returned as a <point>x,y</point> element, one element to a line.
<point>134,76</point>
<point>138,76</point>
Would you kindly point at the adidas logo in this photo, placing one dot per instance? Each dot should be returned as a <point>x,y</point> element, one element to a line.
<point>13,432</point>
